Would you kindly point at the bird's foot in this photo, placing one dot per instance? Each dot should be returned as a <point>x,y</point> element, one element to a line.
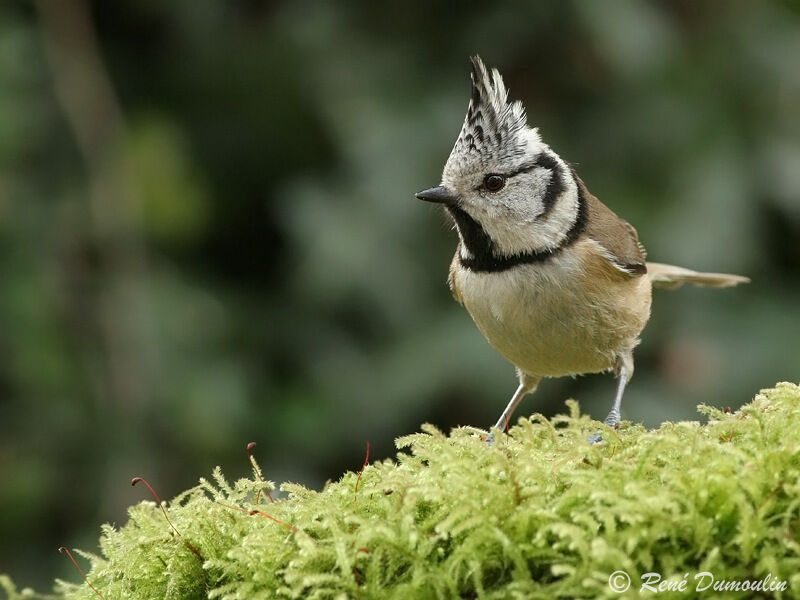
<point>489,439</point>
<point>612,420</point>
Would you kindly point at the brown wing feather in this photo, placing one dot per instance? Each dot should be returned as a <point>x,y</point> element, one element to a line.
<point>615,234</point>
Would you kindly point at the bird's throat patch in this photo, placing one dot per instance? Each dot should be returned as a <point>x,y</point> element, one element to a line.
<point>484,255</point>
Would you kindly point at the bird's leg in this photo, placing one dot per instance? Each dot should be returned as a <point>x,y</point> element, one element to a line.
<point>527,384</point>
<point>624,372</point>
<point>613,418</point>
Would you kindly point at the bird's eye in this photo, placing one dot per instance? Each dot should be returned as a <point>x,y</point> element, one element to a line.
<point>494,183</point>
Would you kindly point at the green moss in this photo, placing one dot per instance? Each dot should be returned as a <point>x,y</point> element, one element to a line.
<point>541,514</point>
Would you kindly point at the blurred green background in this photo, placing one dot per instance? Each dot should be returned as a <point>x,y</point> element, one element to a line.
<point>208,234</point>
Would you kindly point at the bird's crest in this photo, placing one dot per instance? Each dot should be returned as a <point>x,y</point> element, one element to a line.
<point>494,130</point>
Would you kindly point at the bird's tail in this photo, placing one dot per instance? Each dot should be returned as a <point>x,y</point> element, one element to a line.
<point>670,277</point>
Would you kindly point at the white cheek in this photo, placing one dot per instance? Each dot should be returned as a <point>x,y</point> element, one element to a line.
<point>513,220</point>
<point>507,215</point>
<point>524,198</point>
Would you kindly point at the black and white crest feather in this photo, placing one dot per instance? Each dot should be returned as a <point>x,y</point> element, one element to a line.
<point>495,130</point>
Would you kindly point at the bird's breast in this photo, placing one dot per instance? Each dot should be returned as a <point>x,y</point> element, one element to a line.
<point>573,314</point>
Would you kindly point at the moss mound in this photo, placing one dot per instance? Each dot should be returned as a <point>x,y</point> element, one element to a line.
<point>541,514</point>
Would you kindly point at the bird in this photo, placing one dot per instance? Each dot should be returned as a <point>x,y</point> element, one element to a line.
<point>555,281</point>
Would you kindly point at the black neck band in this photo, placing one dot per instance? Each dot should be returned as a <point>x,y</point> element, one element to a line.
<point>484,255</point>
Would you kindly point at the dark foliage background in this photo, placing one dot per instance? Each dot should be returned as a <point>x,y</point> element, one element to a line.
<point>208,233</point>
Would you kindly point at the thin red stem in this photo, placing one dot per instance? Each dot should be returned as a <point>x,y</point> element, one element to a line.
<point>74,562</point>
<point>360,473</point>
<point>259,513</point>
<point>250,446</point>
<point>136,480</point>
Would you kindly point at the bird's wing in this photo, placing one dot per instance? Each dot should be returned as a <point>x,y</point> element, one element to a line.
<point>615,235</point>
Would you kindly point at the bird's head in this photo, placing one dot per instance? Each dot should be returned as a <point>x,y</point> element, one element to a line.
<point>501,180</point>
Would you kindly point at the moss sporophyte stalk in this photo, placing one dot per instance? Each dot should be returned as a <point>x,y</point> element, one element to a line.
<point>540,514</point>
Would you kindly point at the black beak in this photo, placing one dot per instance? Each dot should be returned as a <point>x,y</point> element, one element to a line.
<point>437,194</point>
